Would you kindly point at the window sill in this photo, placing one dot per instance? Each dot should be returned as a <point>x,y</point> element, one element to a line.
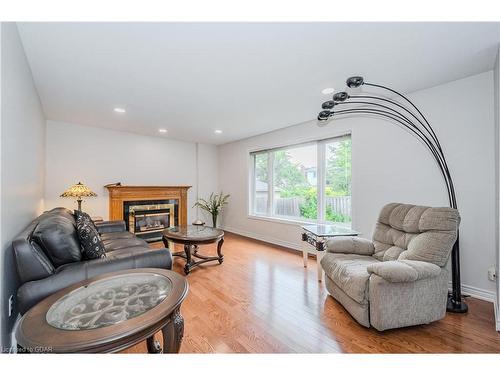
<point>281,220</point>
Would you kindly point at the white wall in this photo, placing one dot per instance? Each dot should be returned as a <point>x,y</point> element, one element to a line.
<point>23,158</point>
<point>98,157</point>
<point>389,165</point>
<point>208,178</point>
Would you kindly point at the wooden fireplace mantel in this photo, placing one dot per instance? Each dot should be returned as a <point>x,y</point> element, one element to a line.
<point>122,193</point>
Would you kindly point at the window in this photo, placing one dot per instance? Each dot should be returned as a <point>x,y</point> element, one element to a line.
<point>261,196</point>
<point>307,182</point>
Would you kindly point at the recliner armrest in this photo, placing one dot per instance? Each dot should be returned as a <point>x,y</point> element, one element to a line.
<point>110,226</point>
<point>404,271</point>
<point>350,245</point>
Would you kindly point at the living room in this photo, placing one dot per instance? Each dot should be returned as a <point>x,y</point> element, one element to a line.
<point>248,187</point>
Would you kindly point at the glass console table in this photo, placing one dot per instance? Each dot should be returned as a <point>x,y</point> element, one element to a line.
<point>314,237</point>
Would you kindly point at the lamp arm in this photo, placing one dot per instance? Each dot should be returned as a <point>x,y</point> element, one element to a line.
<point>422,137</point>
<point>411,103</point>
<point>385,107</point>
<point>438,154</point>
<point>443,164</point>
<point>407,123</point>
<point>454,200</point>
<point>433,136</point>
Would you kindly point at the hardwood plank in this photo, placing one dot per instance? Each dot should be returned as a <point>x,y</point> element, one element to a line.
<point>262,300</point>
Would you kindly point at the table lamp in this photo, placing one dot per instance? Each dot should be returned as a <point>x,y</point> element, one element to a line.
<point>79,190</point>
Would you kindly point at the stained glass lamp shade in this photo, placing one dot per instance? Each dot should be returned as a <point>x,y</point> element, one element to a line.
<point>79,190</point>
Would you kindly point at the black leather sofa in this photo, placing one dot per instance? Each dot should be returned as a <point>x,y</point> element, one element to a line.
<point>48,256</point>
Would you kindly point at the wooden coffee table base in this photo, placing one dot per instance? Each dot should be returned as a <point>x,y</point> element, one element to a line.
<point>173,333</point>
<point>191,251</point>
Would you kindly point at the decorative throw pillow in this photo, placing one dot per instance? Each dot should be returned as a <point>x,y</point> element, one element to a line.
<point>92,246</point>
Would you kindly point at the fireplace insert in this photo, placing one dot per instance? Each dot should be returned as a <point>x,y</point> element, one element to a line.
<point>147,219</point>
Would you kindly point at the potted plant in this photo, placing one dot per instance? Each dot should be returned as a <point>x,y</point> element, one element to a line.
<point>213,205</point>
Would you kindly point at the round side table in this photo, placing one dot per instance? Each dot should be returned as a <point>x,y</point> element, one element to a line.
<point>191,236</point>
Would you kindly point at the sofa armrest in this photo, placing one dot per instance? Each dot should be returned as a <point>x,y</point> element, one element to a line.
<point>30,293</point>
<point>110,226</point>
<point>404,271</point>
<point>350,245</point>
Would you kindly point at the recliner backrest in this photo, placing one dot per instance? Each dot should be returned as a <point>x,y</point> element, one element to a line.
<point>405,231</point>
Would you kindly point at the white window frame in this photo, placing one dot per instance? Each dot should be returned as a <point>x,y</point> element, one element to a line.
<point>321,180</point>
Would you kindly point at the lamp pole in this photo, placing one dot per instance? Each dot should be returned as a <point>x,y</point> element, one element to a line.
<point>406,114</point>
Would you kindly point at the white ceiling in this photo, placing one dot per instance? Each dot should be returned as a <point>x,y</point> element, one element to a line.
<point>242,78</point>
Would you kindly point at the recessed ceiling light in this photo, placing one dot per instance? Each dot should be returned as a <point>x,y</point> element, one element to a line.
<point>328,91</point>
<point>119,110</point>
<point>162,130</point>
<point>218,131</point>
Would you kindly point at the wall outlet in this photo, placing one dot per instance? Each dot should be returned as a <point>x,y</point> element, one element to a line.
<point>11,305</point>
<point>492,274</point>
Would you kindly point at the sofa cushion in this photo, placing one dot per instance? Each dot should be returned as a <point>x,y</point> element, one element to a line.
<point>116,235</point>
<point>110,226</point>
<point>91,244</point>
<point>56,235</point>
<point>122,243</point>
<point>349,273</point>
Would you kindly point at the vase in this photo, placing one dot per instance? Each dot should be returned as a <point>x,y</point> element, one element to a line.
<point>214,220</point>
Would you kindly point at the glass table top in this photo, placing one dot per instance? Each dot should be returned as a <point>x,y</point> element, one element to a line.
<point>109,301</point>
<point>193,232</point>
<point>326,230</point>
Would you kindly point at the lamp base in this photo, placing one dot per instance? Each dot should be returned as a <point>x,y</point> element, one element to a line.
<point>456,307</point>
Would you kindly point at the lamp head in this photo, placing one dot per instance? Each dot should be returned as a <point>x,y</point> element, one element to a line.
<point>324,115</point>
<point>328,105</point>
<point>353,82</point>
<point>340,96</point>
<point>79,190</point>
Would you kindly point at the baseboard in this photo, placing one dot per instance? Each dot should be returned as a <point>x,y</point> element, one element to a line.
<point>271,240</point>
<point>497,318</point>
<point>478,293</point>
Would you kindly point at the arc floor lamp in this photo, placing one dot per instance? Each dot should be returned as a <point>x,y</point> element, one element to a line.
<point>400,110</point>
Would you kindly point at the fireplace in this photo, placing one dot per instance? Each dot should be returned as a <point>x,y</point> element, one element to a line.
<point>147,210</point>
<point>148,218</point>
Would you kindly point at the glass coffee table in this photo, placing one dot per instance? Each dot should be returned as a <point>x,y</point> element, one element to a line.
<point>108,314</point>
<point>191,236</point>
<point>314,237</point>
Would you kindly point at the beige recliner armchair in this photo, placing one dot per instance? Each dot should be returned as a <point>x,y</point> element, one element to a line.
<point>400,278</point>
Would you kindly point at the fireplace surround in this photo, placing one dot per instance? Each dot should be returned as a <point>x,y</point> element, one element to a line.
<point>148,210</point>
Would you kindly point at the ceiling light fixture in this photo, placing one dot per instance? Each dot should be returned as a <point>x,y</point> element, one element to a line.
<point>328,91</point>
<point>162,130</point>
<point>119,110</point>
<point>218,131</point>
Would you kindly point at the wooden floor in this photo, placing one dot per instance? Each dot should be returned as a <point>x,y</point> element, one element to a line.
<point>262,300</point>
